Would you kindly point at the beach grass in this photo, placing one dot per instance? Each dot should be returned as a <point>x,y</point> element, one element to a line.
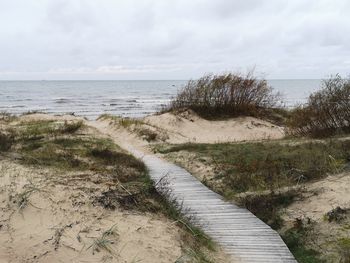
<point>105,241</point>
<point>134,125</point>
<point>258,166</point>
<point>68,147</point>
<point>267,177</point>
<point>6,141</point>
<point>124,122</point>
<point>295,240</point>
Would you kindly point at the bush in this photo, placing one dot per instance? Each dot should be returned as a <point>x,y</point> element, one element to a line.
<point>147,134</point>
<point>71,127</point>
<point>111,157</point>
<point>336,215</point>
<point>226,95</point>
<point>6,141</point>
<point>295,240</point>
<point>326,113</point>
<point>267,206</point>
<point>6,116</point>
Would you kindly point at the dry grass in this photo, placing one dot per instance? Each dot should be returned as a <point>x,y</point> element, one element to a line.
<point>124,122</point>
<point>6,141</point>
<point>295,240</point>
<point>336,215</point>
<point>22,199</point>
<point>105,241</point>
<point>267,206</point>
<point>7,117</point>
<point>71,127</point>
<point>267,177</point>
<point>57,145</point>
<point>36,130</point>
<point>147,134</point>
<point>245,167</point>
<point>196,244</point>
<point>344,249</point>
<point>133,125</point>
<point>326,113</point>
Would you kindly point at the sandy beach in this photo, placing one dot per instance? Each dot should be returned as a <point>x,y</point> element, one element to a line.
<point>53,215</point>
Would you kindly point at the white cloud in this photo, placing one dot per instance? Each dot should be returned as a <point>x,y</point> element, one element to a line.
<point>172,39</point>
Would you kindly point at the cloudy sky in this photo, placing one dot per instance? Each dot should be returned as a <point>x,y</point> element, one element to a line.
<point>168,39</point>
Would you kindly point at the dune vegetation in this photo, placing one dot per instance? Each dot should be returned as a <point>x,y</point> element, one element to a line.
<point>326,113</point>
<point>260,166</point>
<point>294,174</point>
<point>229,95</point>
<point>71,154</point>
<point>271,177</point>
<point>268,177</point>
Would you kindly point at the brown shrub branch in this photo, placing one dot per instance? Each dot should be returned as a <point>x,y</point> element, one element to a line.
<point>226,95</point>
<point>326,113</point>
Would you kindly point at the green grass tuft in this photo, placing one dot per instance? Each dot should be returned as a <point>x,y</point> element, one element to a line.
<point>105,241</point>
<point>294,240</point>
<point>267,206</point>
<point>344,249</point>
<point>266,166</point>
<point>22,199</point>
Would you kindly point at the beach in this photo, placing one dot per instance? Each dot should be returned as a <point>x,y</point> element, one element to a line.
<point>71,190</point>
<point>174,131</point>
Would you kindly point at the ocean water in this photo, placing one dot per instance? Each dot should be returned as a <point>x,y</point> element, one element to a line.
<point>126,98</point>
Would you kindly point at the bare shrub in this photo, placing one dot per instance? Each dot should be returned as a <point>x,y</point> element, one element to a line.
<point>326,113</point>
<point>336,215</point>
<point>226,95</point>
<point>6,116</point>
<point>6,141</point>
<point>71,127</point>
<point>147,134</point>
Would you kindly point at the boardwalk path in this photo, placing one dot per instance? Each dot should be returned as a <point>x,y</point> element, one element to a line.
<point>242,235</point>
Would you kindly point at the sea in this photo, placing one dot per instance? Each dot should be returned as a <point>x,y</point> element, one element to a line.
<point>129,98</point>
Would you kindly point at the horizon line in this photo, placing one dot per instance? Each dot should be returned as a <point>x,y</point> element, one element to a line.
<point>142,79</point>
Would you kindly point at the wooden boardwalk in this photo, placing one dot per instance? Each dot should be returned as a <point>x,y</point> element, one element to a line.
<point>242,235</point>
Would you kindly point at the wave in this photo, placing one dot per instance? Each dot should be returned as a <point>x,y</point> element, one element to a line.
<point>62,100</point>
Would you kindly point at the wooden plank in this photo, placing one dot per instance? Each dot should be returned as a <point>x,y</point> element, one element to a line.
<point>242,235</point>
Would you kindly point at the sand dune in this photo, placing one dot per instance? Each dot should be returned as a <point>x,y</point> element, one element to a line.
<point>189,127</point>
<point>49,215</point>
<point>60,224</point>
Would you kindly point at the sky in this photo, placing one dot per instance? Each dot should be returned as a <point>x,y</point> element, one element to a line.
<point>168,39</point>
